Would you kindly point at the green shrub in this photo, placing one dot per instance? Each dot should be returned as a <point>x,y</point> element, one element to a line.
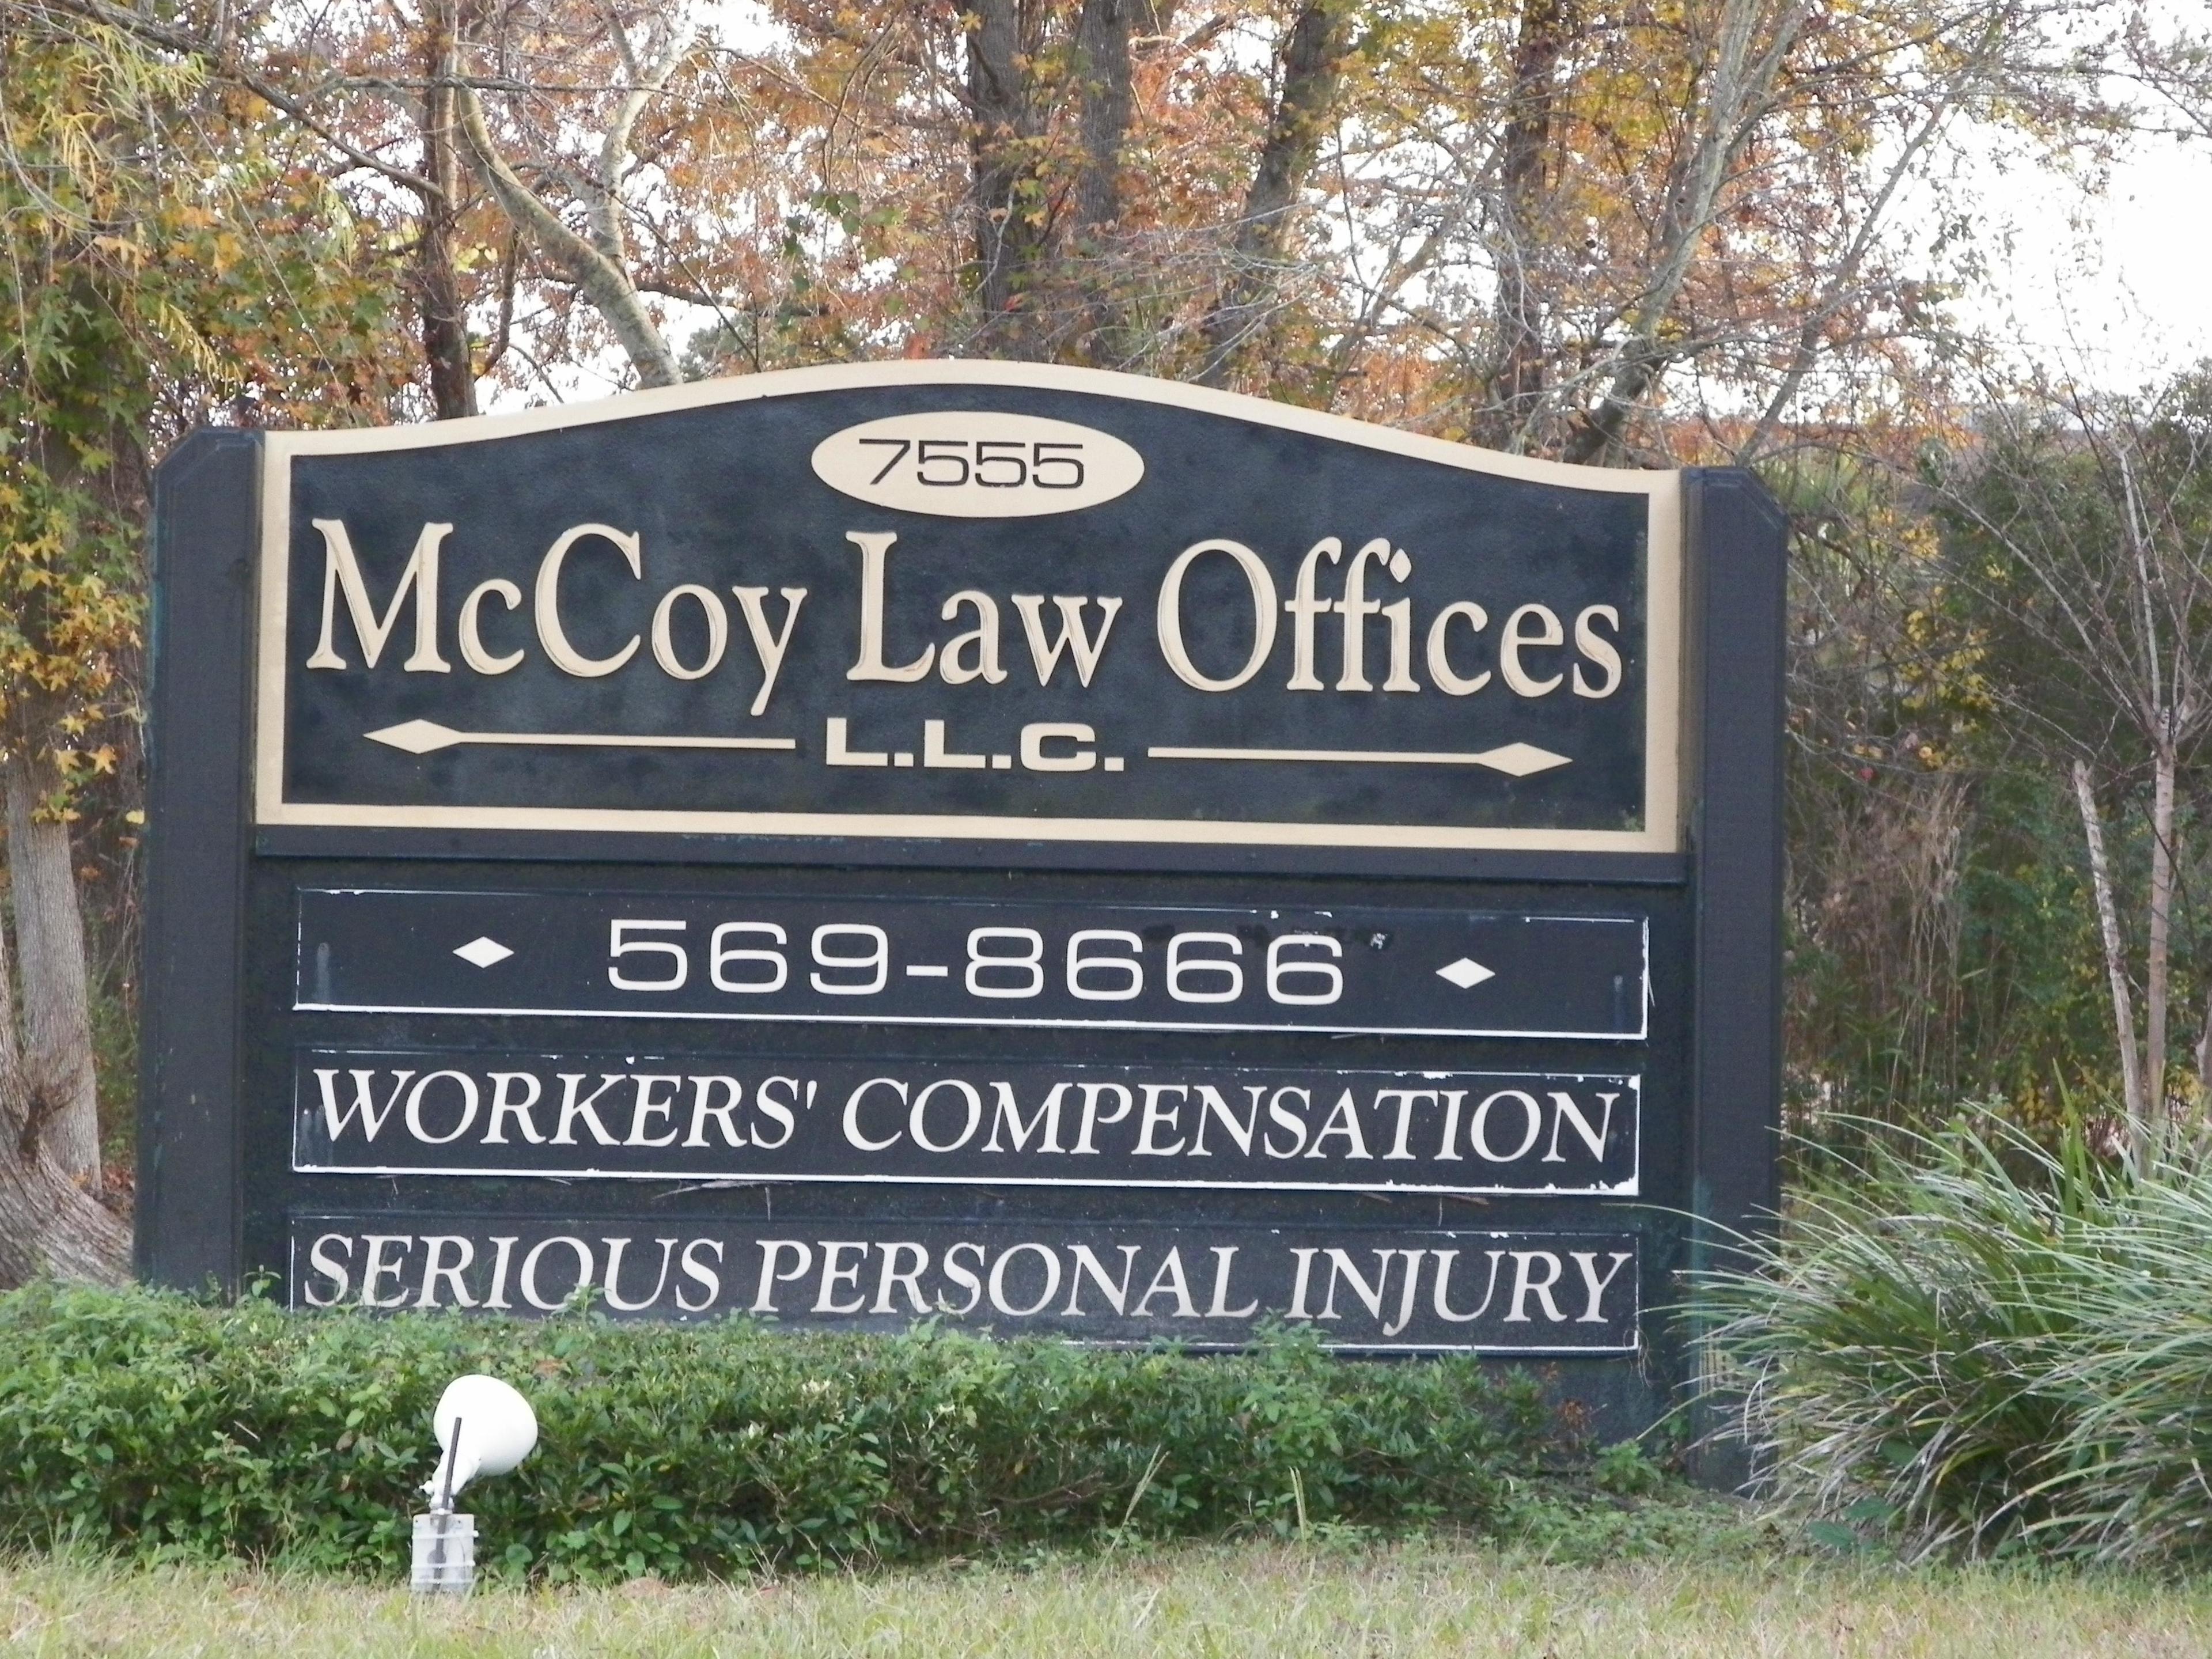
<point>1975,1344</point>
<point>158,1426</point>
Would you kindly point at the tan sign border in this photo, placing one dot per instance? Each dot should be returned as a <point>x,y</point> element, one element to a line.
<point>1662,830</point>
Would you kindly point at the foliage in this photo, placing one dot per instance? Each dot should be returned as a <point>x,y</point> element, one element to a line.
<point>1660,231</point>
<point>1974,616</point>
<point>1972,1343</point>
<point>1943,944</point>
<point>163,254</point>
<point>163,1428</point>
<point>1666,234</point>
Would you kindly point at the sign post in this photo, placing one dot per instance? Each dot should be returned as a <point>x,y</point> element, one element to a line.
<point>1035,849</point>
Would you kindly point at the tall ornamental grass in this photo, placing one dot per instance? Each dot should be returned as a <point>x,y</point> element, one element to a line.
<point>1978,1346</point>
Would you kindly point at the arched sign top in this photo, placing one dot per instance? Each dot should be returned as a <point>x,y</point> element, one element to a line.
<point>918,375</point>
<point>975,600</point>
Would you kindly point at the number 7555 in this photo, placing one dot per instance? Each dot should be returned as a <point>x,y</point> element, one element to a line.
<point>987,463</point>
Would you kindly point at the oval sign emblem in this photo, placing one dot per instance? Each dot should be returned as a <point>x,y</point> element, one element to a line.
<point>962,464</point>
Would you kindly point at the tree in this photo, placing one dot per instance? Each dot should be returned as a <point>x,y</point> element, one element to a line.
<point>2084,528</point>
<point>1622,233</point>
<point>1530,222</point>
<point>645,45</point>
<point>159,254</point>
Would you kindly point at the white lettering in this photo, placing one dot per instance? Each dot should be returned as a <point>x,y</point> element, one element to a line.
<point>1587,1262</point>
<point>435,1267</point>
<point>547,601</point>
<point>998,1281</point>
<point>1563,1109</point>
<point>834,1275</point>
<point>502,1108</point>
<point>983,638</point>
<point>342,571</point>
<point>331,1268</point>
<point>769,646</point>
<point>875,546</point>
<point>664,631</point>
<point>472,646</point>
<point>371,1116</point>
<point>1526,1286</point>
<point>771,1248</point>
<point>700,1273</point>
<point>1169,614</point>
<point>702,1089</point>
<point>1517,639</point>
<point>1304,607</point>
<point>1083,650</point>
<point>461,1127</point>
<point>1448,680</point>
<point>1597,650</point>
<point>528,1278</point>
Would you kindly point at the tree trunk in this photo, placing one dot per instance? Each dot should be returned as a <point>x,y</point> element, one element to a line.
<point>1741,80</point>
<point>1313,59</point>
<point>445,348</point>
<point>2116,962</point>
<point>1102,65</point>
<point>2156,971</point>
<point>1516,385</point>
<point>50,1227</point>
<point>1102,55</point>
<point>603,283</point>
<point>1013,227</point>
<point>61,1096</point>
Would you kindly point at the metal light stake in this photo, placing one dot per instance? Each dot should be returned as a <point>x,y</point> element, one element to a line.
<point>440,1569</point>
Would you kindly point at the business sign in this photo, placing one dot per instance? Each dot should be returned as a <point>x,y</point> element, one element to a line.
<point>1039,849</point>
<point>786,610</point>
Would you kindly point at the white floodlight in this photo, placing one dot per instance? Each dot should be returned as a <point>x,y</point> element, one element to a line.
<point>483,1427</point>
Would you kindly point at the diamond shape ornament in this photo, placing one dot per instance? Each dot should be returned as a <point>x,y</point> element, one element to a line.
<point>1521,760</point>
<point>417,737</point>
<point>1467,973</point>
<point>482,951</point>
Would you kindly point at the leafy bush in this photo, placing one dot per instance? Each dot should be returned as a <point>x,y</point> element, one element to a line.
<point>158,1426</point>
<point>1975,1344</point>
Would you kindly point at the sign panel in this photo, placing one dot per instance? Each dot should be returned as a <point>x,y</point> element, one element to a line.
<point>941,962</point>
<point>732,1117</point>
<point>924,606</point>
<point>1048,851</point>
<point>1534,1294</point>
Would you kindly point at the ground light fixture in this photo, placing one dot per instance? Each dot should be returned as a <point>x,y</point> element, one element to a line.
<point>483,1426</point>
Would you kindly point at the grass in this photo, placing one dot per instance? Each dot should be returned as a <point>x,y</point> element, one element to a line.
<point>1740,1596</point>
<point>1978,1345</point>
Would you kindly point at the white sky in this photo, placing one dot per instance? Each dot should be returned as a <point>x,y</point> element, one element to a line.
<point>2113,283</point>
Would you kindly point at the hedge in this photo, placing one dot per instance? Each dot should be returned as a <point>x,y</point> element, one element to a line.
<point>157,1427</point>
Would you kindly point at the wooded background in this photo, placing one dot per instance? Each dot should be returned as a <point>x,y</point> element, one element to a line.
<point>1651,234</point>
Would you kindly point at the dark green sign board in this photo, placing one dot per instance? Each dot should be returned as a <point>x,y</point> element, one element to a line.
<point>1034,848</point>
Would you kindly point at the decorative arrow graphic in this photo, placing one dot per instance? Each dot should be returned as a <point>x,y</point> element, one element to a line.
<point>1467,973</point>
<point>427,737</point>
<point>1517,760</point>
